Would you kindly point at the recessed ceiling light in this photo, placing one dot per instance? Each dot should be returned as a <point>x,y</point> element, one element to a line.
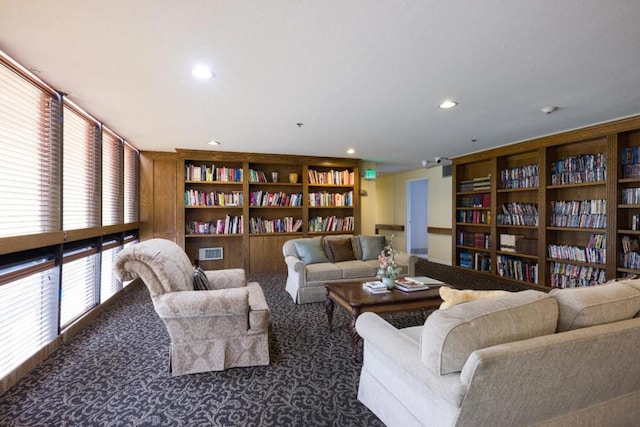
<point>351,151</point>
<point>448,104</point>
<point>213,143</point>
<point>201,72</point>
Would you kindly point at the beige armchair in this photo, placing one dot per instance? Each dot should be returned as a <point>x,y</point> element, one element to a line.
<point>210,330</point>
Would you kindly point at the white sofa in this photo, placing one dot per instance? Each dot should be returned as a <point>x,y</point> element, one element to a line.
<point>570,357</point>
<point>313,262</point>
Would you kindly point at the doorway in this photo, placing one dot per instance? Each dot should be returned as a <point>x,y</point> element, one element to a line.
<point>418,217</point>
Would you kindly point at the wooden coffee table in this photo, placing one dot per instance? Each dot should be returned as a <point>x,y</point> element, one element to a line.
<point>356,300</point>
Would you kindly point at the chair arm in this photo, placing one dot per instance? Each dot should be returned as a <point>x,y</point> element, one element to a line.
<point>294,264</point>
<point>409,260</point>
<point>387,339</point>
<point>225,302</point>
<point>227,278</point>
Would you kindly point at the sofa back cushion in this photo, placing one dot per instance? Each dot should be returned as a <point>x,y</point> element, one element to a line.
<point>594,305</point>
<point>310,250</point>
<point>369,247</point>
<point>340,249</point>
<point>450,336</point>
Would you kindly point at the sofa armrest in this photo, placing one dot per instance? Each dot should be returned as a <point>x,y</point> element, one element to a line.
<point>294,264</point>
<point>225,302</point>
<point>226,278</point>
<point>409,260</point>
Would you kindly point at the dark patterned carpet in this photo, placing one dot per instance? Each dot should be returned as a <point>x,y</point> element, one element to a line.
<point>114,373</point>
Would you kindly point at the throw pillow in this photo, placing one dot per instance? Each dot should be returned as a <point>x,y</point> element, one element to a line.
<point>341,249</point>
<point>451,297</point>
<point>199,280</point>
<point>371,246</point>
<point>310,250</point>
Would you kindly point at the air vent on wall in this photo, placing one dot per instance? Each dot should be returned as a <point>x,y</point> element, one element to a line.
<point>447,170</point>
<point>208,254</point>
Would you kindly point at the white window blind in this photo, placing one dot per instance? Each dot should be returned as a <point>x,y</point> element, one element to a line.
<point>129,240</point>
<point>29,158</point>
<point>112,180</point>
<point>131,165</point>
<point>80,172</point>
<point>109,284</point>
<point>28,312</point>
<point>79,280</point>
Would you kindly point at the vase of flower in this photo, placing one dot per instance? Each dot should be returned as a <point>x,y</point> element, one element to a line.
<point>388,270</point>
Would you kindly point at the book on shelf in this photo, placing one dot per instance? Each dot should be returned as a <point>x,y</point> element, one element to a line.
<point>375,287</point>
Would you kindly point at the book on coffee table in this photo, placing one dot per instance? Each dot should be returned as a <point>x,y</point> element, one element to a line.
<point>375,287</point>
<point>407,285</point>
<point>424,280</point>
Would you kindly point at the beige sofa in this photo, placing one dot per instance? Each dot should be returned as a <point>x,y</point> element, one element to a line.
<point>569,357</point>
<point>312,262</point>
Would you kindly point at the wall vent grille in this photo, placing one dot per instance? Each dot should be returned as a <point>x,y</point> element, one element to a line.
<point>209,254</point>
<point>447,170</point>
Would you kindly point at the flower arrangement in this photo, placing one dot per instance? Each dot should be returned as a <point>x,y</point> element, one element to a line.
<point>388,267</point>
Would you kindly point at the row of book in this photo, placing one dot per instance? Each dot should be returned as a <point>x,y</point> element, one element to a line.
<point>630,244</point>
<point>476,184</point>
<point>284,225</point>
<point>257,176</point>
<point>229,225</point>
<point>594,252</point>
<point>332,177</point>
<point>517,268</point>
<point>630,260</point>
<point>635,222</point>
<point>212,173</point>
<point>631,171</point>
<point>579,169</point>
<point>518,214</point>
<point>324,198</point>
<point>267,198</point>
<point>579,207</point>
<point>631,158</point>
<point>475,201</point>
<point>331,223</point>
<point>520,177</point>
<point>631,196</point>
<point>473,217</point>
<point>477,261</point>
<point>572,276</point>
<point>212,198</point>
<point>579,221</point>
<point>477,240</point>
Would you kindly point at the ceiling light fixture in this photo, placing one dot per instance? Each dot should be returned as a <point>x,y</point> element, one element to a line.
<point>351,151</point>
<point>213,143</point>
<point>448,104</point>
<point>201,72</point>
<point>548,110</point>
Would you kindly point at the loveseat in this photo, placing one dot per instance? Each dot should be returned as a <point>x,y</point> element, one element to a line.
<point>566,358</point>
<point>312,262</point>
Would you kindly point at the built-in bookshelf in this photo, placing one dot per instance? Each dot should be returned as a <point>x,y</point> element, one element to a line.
<point>564,208</point>
<point>249,204</point>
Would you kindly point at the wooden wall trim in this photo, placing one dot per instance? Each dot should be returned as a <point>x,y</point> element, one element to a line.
<point>439,230</point>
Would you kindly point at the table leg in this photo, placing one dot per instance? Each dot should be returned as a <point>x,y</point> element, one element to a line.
<point>355,338</point>
<point>328,307</point>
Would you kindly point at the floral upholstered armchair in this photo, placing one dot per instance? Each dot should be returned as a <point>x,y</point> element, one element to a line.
<point>221,327</point>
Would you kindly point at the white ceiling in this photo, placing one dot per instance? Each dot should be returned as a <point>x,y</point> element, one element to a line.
<point>367,74</point>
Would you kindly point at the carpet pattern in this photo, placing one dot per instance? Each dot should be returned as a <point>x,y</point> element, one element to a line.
<point>115,373</point>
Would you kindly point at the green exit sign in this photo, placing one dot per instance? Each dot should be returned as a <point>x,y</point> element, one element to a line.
<point>369,174</point>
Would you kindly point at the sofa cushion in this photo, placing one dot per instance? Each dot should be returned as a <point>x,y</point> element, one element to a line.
<point>323,271</point>
<point>340,249</point>
<point>594,305</point>
<point>450,336</point>
<point>451,297</point>
<point>199,280</point>
<point>370,247</point>
<point>310,250</point>
<point>356,269</point>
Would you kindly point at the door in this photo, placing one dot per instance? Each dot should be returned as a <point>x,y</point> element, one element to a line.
<point>417,217</point>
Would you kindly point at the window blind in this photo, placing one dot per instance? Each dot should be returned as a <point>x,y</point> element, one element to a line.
<point>109,283</point>
<point>30,159</point>
<point>131,165</point>
<point>28,311</point>
<point>80,171</point>
<point>79,284</point>
<point>112,179</point>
